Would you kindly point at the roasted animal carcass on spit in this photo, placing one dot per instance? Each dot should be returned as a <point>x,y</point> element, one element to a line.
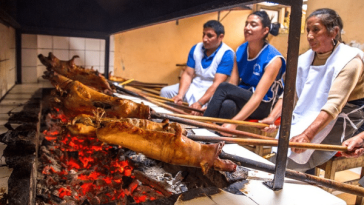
<point>161,141</point>
<point>173,148</point>
<point>87,125</point>
<point>76,98</point>
<point>70,70</point>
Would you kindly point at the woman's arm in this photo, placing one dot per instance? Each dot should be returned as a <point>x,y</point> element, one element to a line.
<point>234,78</point>
<point>270,74</point>
<point>316,126</point>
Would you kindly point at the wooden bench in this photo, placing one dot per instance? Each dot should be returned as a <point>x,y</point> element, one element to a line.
<point>337,164</point>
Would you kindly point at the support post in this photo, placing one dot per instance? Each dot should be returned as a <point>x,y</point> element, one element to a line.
<point>289,93</point>
<point>107,57</point>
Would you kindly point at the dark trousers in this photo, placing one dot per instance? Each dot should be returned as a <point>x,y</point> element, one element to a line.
<point>359,102</point>
<point>229,99</point>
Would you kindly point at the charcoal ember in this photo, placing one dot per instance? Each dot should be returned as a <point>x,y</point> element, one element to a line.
<point>24,137</point>
<point>16,157</point>
<point>25,117</point>
<point>50,181</point>
<point>50,169</point>
<point>86,202</point>
<point>19,186</point>
<point>95,200</point>
<point>49,160</point>
<point>236,187</point>
<point>140,160</point>
<point>241,173</point>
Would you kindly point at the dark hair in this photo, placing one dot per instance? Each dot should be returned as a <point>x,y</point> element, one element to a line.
<point>266,22</point>
<point>217,26</point>
<point>330,19</point>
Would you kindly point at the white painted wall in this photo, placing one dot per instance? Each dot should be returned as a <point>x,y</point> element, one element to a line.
<point>7,59</point>
<point>91,53</point>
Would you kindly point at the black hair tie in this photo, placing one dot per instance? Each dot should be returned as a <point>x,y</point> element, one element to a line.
<point>274,28</point>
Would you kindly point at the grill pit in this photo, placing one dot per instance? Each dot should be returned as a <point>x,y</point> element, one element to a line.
<point>52,167</point>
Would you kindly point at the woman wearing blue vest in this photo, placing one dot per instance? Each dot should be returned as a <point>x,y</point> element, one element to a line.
<point>260,67</point>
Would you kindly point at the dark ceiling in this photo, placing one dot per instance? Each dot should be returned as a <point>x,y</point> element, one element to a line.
<point>100,18</point>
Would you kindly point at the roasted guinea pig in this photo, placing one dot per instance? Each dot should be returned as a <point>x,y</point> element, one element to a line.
<point>76,98</point>
<point>173,148</point>
<point>87,125</point>
<point>88,77</point>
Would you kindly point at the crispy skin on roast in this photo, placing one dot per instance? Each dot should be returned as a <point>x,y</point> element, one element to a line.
<point>68,68</point>
<point>173,148</point>
<point>87,125</point>
<point>77,98</point>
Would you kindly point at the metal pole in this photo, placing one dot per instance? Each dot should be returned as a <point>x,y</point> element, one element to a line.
<point>348,188</point>
<point>18,56</point>
<point>289,93</point>
<point>107,56</point>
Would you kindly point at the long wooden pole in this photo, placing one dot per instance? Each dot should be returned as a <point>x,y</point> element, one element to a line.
<point>164,105</point>
<point>272,143</point>
<point>220,120</point>
<point>155,96</point>
<point>208,126</point>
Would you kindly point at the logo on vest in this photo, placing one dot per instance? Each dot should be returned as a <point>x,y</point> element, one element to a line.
<point>256,69</point>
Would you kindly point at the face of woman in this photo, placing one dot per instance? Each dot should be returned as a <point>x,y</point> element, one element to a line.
<point>253,30</point>
<point>318,37</point>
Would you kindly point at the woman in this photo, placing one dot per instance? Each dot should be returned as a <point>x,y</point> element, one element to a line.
<point>260,67</point>
<point>329,88</point>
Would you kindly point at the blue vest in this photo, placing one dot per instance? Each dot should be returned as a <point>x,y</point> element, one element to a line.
<point>252,70</point>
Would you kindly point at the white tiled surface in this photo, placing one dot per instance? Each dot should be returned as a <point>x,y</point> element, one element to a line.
<point>29,74</point>
<point>92,44</point>
<point>29,41</point>
<point>78,61</point>
<point>90,51</point>
<point>61,54</point>
<point>45,41</point>
<point>77,43</point>
<point>60,42</point>
<point>29,56</point>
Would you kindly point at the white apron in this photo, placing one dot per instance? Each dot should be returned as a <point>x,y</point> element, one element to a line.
<point>204,77</point>
<point>313,84</point>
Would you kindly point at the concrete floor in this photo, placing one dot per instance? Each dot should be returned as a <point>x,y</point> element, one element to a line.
<point>20,94</point>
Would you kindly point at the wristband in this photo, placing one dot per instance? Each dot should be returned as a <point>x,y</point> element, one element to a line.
<point>200,103</point>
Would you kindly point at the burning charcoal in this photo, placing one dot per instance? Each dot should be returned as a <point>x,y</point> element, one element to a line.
<point>44,149</point>
<point>95,200</point>
<point>57,200</point>
<point>50,181</point>
<point>126,182</point>
<point>86,202</point>
<point>241,173</point>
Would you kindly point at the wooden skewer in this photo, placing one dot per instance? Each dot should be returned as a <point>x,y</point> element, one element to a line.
<point>126,82</point>
<point>272,143</point>
<point>220,120</point>
<point>156,96</point>
<point>208,126</point>
<point>164,105</point>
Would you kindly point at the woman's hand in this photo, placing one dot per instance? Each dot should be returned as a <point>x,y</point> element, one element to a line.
<point>197,105</point>
<point>229,126</point>
<point>270,121</point>
<point>302,138</point>
<point>355,147</point>
<point>177,99</point>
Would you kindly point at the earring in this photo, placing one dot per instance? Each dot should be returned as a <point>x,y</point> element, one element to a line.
<point>333,42</point>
